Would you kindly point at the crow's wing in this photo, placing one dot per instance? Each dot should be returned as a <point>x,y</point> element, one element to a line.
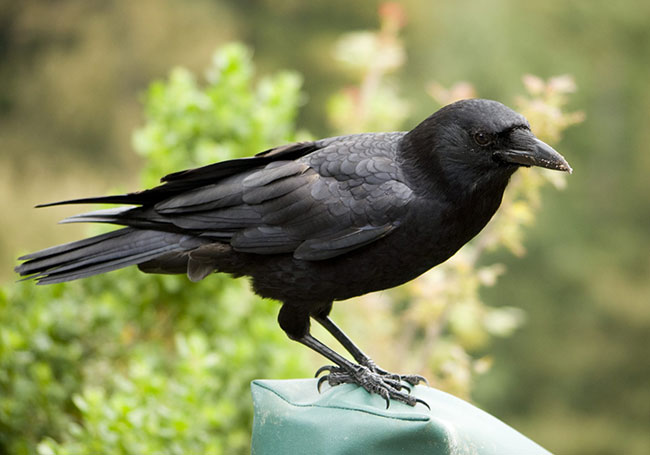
<point>344,195</point>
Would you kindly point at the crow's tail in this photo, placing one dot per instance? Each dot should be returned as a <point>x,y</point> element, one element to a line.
<point>102,253</point>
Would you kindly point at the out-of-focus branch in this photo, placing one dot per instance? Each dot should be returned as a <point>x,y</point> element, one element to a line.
<point>373,104</point>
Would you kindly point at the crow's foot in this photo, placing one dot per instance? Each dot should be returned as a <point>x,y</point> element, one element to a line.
<point>384,384</point>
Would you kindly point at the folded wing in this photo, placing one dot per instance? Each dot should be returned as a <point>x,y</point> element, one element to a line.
<point>331,201</point>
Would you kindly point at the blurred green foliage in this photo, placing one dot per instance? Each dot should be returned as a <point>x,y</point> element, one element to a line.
<point>190,125</point>
<point>129,363</point>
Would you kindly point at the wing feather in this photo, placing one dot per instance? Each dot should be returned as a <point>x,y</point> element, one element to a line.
<point>331,202</point>
<point>342,242</point>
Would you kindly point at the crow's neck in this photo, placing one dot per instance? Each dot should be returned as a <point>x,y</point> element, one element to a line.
<point>458,182</point>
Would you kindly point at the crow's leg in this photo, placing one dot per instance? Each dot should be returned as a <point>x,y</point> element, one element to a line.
<point>294,320</point>
<point>360,356</point>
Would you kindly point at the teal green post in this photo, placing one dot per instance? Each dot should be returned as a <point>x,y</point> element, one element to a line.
<point>292,417</point>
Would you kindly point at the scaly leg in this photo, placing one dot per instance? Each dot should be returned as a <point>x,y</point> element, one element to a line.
<point>360,356</point>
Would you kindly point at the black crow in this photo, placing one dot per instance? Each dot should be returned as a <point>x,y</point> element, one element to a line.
<point>319,221</point>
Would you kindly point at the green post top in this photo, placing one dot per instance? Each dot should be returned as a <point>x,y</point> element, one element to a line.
<point>292,417</point>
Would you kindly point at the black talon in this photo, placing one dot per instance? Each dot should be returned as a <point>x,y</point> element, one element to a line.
<point>386,396</point>
<point>417,400</point>
<point>320,382</point>
<point>329,368</point>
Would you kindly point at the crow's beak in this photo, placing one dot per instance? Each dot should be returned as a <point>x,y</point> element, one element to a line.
<point>527,150</point>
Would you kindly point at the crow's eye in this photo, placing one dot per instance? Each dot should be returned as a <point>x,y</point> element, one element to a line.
<point>482,138</point>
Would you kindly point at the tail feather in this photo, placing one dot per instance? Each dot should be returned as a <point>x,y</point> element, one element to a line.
<point>129,198</point>
<point>102,254</point>
<point>137,217</point>
<point>138,242</point>
<point>47,252</point>
<point>74,273</point>
<point>99,216</point>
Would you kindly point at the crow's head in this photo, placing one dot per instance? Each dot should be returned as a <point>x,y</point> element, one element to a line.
<point>479,140</point>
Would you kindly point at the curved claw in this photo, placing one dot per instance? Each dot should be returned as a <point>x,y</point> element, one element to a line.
<point>324,368</point>
<point>417,400</point>
<point>320,382</point>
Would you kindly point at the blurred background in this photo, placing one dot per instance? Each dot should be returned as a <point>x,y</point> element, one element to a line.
<point>544,323</point>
